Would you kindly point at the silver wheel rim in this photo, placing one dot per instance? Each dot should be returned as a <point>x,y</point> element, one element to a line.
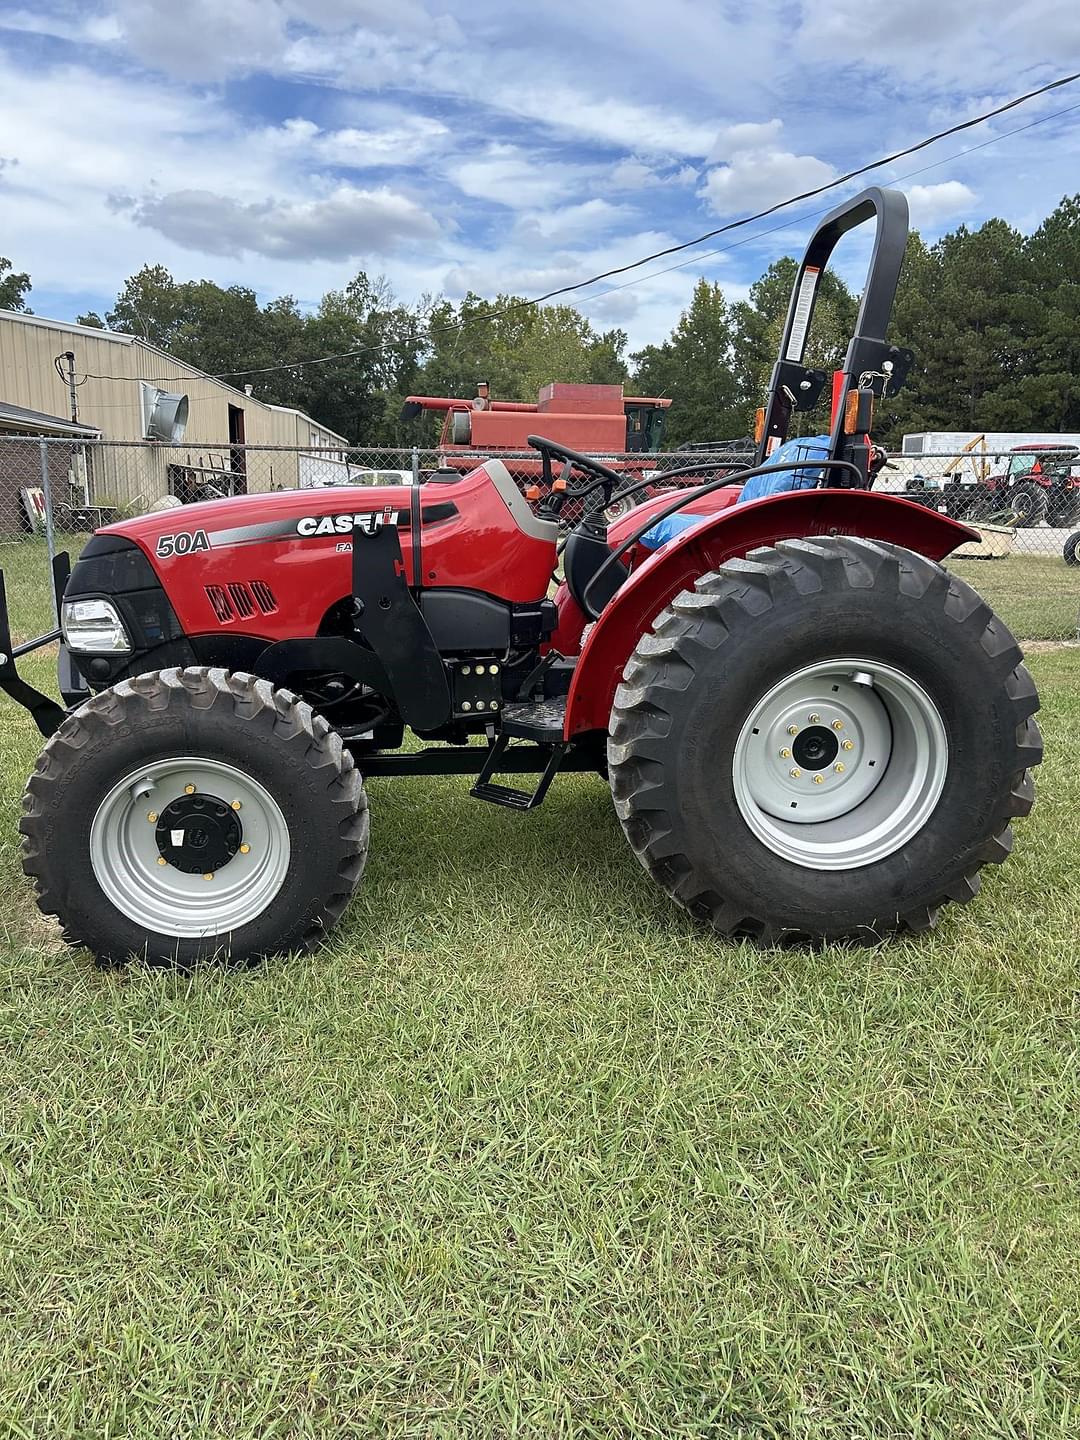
<point>126,859</point>
<point>859,795</point>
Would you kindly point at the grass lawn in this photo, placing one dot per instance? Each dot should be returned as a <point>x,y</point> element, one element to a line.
<point>526,1153</point>
<point>1038,596</point>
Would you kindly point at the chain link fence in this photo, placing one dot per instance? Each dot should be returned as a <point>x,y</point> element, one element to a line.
<point>55,492</point>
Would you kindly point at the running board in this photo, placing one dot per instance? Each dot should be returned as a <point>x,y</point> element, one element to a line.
<point>506,795</point>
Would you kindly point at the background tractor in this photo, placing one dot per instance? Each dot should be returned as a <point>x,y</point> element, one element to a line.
<point>1031,484</point>
<point>811,730</point>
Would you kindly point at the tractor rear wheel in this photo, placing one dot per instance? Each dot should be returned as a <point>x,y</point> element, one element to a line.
<point>190,813</point>
<point>1029,504</point>
<point>1071,550</point>
<point>827,739</point>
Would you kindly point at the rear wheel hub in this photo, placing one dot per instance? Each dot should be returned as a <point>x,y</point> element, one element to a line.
<point>840,764</point>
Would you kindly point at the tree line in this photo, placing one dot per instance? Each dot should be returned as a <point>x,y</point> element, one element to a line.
<point>992,315</point>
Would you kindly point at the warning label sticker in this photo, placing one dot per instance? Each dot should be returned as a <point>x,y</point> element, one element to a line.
<point>804,303</point>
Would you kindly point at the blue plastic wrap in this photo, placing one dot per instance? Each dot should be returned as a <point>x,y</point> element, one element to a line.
<point>805,477</point>
<point>806,447</point>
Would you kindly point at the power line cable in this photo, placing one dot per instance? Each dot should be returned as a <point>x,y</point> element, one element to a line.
<point>505,310</point>
<point>816,214</point>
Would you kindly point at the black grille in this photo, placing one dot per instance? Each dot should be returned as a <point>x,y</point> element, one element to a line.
<point>264,596</point>
<point>219,602</point>
<point>243,604</point>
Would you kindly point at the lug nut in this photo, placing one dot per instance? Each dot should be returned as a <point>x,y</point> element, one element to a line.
<point>785,754</point>
<point>161,860</point>
<point>466,705</point>
<point>819,779</point>
<point>209,875</point>
<point>793,729</point>
<point>838,724</point>
<point>848,745</point>
<point>152,816</point>
<point>189,789</point>
<point>235,805</point>
<point>245,849</point>
<point>839,767</point>
<point>795,774</point>
<point>814,718</point>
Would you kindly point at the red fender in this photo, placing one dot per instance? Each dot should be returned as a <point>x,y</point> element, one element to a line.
<point>731,534</point>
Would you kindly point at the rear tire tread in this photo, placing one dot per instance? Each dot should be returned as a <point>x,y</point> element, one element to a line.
<point>641,715</point>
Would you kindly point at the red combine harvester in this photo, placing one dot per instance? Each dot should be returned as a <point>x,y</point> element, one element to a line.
<point>811,729</point>
<point>597,419</point>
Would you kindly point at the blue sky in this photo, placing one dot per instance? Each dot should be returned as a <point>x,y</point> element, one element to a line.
<point>285,144</point>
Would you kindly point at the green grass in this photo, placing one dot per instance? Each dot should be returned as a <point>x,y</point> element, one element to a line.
<point>526,1153</point>
<point>1038,596</point>
<point>28,582</point>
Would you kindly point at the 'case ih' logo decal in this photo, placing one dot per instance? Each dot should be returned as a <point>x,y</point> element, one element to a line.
<point>184,542</point>
<point>369,521</point>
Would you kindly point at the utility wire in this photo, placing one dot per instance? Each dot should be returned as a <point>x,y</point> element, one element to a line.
<point>668,250</point>
<point>816,214</point>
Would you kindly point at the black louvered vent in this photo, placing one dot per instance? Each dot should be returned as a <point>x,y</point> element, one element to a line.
<point>264,596</point>
<point>220,601</point>
<point>240,596</point>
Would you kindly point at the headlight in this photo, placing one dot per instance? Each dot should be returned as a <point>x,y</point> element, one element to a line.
<point>94,625</point>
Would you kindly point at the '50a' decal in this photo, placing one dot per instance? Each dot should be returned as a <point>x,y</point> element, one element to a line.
<point>184,542</point>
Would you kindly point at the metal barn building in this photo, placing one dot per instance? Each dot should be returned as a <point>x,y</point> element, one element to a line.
<point>177,421</point>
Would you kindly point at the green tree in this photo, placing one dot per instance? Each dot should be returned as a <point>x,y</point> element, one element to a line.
<point>1049,387</point>
<point>517,352</point>
<point>91,319</point>
<point>148,306</point>
<point>960,307</point>
<point>380,339</point>
<point>695,368</point>
<point>14,285</point>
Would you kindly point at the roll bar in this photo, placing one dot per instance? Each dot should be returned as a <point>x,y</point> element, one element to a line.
<point>882,367</point>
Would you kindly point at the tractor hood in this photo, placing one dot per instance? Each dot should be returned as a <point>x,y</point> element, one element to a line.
<point>246,519</point>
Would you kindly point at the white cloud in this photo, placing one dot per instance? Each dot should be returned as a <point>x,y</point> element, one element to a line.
<point>934,43</point>
<point>931,204</point>
<point>401,140</point>
<point>633,173</point>
<point>517,178</point>
<point>754,180</point>
<point>203,37</point>
<point>348,223</point>
<point>586,221</point>
<point>738,139</point>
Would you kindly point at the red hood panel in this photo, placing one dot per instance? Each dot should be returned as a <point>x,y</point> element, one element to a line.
<point>298,545</point>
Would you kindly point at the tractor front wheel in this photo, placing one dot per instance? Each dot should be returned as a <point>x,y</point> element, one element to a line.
<point>190,813</point>
<point>828,739</point>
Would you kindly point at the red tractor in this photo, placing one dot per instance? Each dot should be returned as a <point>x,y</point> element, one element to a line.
<point>1039,484</point>
<point>811,730</point>
<point>595,418</point>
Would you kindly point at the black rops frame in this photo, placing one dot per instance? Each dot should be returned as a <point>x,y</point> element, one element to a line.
<point>793,386</point>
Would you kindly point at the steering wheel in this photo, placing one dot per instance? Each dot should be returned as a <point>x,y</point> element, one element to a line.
<point>607,480</point>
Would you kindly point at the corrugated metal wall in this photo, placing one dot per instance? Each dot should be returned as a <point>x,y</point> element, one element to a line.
<point>110,398</point>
